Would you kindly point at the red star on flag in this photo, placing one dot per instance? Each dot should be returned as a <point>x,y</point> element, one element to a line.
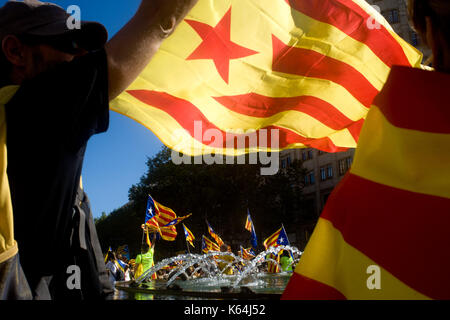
<point>217,45</point>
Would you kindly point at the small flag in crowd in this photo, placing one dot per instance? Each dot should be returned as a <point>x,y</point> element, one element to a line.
<point>189,236</point>
<point>214,235</point>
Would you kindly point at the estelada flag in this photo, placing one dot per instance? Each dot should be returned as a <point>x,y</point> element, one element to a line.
<point>209,245</point>
<point>247,254</point>
<point>278,238</point>
<point>384,231</point>
<point>160,222</point>
<point>250,227</point>
<point>235,73</point>
<point>213,234</point>
<point>189,235</point>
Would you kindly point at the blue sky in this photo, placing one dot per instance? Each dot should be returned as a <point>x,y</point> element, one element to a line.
<point>116,159</point>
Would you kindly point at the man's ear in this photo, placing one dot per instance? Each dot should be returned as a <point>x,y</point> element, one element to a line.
<point>14,50</point>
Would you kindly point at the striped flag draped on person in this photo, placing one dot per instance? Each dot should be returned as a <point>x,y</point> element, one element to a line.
<point>388,218</point>
<point>305,70</point>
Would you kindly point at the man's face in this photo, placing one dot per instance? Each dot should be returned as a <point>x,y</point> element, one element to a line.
<point>44,57</point>
<point>30,57</point>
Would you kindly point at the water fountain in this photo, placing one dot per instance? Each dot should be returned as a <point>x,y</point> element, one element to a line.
<point>247,283</point>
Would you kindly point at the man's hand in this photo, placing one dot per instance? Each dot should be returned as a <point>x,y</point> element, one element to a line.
<point>132,48</point>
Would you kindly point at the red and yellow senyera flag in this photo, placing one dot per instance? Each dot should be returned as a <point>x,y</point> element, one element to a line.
<point>384,232</point>
<point>308,70</point>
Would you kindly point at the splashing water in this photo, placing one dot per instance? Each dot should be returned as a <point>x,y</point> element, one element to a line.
<point>248,269</point>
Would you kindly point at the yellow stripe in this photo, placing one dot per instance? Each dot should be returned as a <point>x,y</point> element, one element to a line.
<point>330,260</point>
<point>8,246</point>
<point>420,164</point>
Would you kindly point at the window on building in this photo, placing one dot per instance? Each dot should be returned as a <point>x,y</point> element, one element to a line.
<point>304,155</point>
<point>342,165</point>
<point>283,163</point>
<point>309,178</point>
<point>323,174</point>
<point>349,161</point>
<point>392,16</point>
<point>288,161</point>
<point>414,39</point>
<point>312,180</point>
<point>329,171</point>
<point>310,154</point>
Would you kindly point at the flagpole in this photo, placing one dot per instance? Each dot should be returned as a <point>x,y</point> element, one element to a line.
<point>187,245</point>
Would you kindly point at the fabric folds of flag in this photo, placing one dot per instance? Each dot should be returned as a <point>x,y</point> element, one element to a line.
<point>391,211</point>
<point>208,245</point>
<point>236,72</point>
<point>189,235</point>
<point>177,220</point>
<point>214,235</point>
<point>164,218</point>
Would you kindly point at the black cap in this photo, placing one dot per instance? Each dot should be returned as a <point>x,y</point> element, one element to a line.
<point>36,18</point>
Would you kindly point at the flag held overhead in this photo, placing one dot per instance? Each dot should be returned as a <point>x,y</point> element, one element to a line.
<point>305,69</point>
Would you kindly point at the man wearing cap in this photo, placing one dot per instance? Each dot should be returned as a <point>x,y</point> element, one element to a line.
<point>55,86</point>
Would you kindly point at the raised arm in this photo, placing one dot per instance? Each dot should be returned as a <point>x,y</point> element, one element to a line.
<point>132,48</point>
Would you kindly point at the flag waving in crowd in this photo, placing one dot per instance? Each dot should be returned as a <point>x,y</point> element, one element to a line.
<point>209,245</point>
<point>307,69</point>
<point>189,236</point>
<point>162,220</point>
<point>276,239</point>
<point>214,235</point>
<point>251,228</point>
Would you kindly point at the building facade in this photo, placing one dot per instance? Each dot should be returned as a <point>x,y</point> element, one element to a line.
<point>396,13</point>
<point>323,172</point>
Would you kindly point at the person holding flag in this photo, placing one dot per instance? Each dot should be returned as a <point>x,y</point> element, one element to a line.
<point>144,260</point>
<point>44,62</point>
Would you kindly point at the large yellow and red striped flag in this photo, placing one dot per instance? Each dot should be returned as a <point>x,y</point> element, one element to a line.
<point>233,68</point>
<point>384,232</point>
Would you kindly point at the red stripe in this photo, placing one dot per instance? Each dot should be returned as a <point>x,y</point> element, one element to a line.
<point>309,63</point>
<point>351,19</point>
<point>300,287</point>
<point>355,129</point>
<point>404,232</point>
<point>416,99</point>
<point>255,105</point>
<point>186,114</point>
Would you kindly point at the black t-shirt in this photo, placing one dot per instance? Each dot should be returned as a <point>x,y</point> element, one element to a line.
<point>49,121</point>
